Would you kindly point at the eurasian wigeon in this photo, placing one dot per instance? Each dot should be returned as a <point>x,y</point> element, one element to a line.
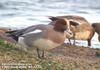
<point>47,37</point>
<point>96,27</point>
<point>80,27</point>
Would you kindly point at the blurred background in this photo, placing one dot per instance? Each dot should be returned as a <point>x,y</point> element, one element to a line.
<point>18,14</point>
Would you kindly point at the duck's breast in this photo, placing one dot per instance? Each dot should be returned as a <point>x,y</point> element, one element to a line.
<point>45,44</point>
<point>82,35</point>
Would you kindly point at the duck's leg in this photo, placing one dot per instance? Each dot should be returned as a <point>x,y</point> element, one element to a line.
<point>74,39</point>
<point>42,54</point>
<point>38,53</point>
<point>69,41</point>
<point>74,42</point>
<point>99,38</point>
<point>89,42</point>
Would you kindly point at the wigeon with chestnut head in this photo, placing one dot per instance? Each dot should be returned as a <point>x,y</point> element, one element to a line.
<point>42,37</point>
<point>80,27</point>
<point>96,27</point>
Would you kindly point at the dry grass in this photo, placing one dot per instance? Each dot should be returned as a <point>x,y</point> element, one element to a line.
<point>65,57</point>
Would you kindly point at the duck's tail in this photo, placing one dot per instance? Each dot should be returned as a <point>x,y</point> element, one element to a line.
<point>53,18</point>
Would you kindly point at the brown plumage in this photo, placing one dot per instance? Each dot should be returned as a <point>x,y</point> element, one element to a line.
<point>82,29</point>
<point>96,27</point>
<point>4,36</point>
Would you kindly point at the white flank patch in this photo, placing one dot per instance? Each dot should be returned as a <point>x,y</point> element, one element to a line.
<point>21,44</point>
<point>35,31</point>
<point>21,41</point>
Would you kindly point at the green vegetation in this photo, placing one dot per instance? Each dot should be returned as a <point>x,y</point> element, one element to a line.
<point>65,57</point>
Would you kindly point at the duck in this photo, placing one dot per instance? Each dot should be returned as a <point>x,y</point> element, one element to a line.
<point>81,28</point>
<point>96,27</point>
<point>42,37</point>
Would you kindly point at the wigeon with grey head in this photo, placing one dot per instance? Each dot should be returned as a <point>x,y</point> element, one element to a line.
<point>42,37</point>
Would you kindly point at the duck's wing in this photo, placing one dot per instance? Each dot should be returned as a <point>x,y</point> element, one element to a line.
<point>15,34</point>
